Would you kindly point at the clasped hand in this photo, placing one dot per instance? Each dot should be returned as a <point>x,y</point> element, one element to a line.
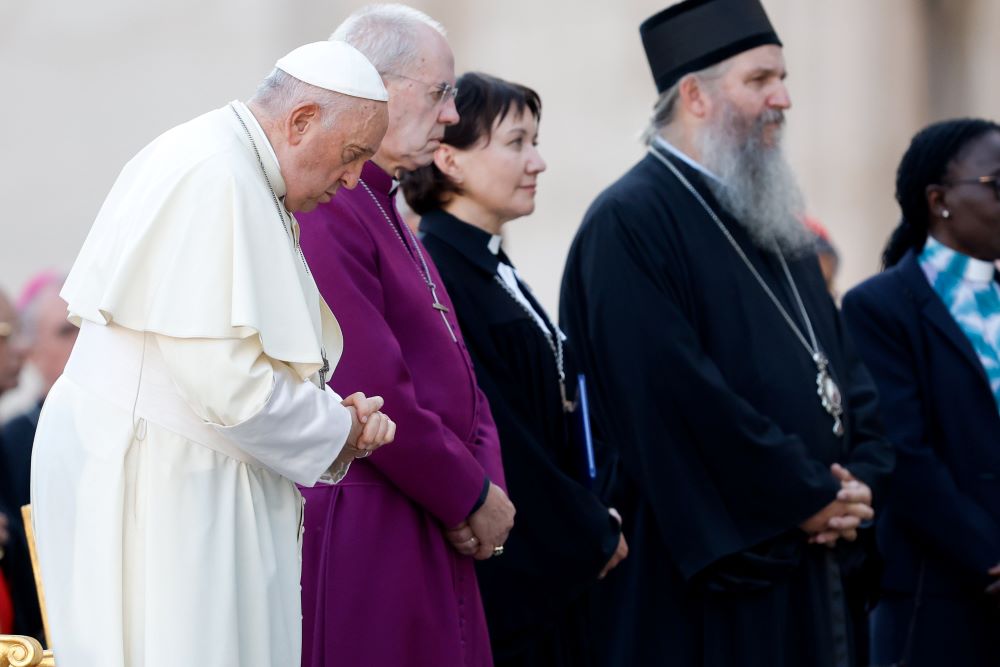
<point>621,551</point>
<point>842,517</point>
<point>487,527</point>
<point>370,429</point>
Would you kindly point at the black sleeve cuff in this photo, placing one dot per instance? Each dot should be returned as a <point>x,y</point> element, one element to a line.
<point>482,498</point>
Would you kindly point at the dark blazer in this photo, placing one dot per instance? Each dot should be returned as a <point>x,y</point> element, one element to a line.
<point>939,411</point>
<point>534,595</point>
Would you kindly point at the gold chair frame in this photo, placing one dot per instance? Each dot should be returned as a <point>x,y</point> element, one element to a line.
<point>17,650</point>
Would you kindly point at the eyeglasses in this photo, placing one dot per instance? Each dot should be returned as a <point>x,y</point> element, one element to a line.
<point>993,181</point>
<point>440,92</point>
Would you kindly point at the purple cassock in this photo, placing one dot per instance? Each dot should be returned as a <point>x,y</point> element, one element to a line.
<point>381,586</point>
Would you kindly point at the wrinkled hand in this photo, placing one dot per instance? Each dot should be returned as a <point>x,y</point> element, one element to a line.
<point>841,518</point>
<point>492,522</point>
<point>621,553</point>
<point>994,588</point>
<point>462,539</point>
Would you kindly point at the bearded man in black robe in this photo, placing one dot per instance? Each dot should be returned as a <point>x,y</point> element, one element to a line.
<point>748,474</point>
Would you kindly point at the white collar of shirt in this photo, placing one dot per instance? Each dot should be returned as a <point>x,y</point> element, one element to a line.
<point>939,258</point>
<point>683,157</point>
<point>494,244</point>
<point>508,274</point>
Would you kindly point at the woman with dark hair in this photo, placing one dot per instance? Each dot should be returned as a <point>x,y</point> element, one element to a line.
<point>928,327</point>
<point>484,175</point>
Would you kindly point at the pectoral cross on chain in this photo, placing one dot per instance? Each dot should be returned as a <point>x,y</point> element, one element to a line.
<point>324,370</point>
<point>441,308</point>
<point>421,267</point>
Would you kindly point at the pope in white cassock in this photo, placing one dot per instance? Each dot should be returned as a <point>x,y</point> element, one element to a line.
<point>166,514</point>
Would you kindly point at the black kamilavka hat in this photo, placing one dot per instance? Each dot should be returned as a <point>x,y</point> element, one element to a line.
<point>695,34</point>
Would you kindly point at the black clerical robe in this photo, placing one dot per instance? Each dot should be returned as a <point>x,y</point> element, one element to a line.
<point>535,595</point>
<point>724,444</point>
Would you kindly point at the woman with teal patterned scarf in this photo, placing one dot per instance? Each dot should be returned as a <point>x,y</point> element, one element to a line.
<point>928,328</point>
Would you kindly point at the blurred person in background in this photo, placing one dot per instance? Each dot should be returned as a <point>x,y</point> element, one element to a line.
<point>19,612</point>
<point>484,175</point>
<point>11,347</point>
<point>826,253</point>
<point>48,336</point>
<point>928,327</point>
<point>417,603</point>
<point>749,472</point>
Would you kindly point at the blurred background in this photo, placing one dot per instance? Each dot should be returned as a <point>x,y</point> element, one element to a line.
<point>90,83</point>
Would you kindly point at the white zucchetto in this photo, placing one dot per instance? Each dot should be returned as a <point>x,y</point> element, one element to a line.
<point>335,66</point>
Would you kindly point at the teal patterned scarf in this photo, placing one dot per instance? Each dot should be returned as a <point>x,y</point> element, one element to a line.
<point>972,296</point>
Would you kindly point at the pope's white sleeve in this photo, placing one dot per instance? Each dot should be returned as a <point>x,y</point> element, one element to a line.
<point>290,426</point>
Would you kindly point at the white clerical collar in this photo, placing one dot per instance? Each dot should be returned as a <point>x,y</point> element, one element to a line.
<point>683,157</point>
<point>494,243</point>
<point>944,259</point>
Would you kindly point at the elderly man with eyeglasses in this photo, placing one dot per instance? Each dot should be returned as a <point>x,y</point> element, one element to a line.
<point>388,577</point>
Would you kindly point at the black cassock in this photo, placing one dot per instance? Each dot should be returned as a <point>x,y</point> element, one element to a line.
<point>724,446</point>
<point>535,594</point>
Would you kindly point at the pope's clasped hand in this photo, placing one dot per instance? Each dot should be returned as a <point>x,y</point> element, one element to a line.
<point>370,428</point>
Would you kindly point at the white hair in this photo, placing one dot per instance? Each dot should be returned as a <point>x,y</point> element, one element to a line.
<point>387,34</point>
<point>281,92</point>
<point>665,108</point>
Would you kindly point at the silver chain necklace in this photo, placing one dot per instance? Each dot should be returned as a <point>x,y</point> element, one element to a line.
<point>325,369</point>
<point>422,267</point>
<point>554,341</point>
<point>826,388</point>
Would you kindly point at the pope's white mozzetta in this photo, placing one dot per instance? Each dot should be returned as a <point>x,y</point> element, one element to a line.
<point>167,521</point>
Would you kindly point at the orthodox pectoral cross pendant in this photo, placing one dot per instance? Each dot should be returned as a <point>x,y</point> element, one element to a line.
<point>829,393</point>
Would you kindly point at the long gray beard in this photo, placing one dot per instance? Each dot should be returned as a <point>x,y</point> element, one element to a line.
<point>756,184</point>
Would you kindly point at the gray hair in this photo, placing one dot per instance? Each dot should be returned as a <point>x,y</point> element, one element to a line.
<point>387,34</point>
<point>665,108</point>
<point>280,92</point>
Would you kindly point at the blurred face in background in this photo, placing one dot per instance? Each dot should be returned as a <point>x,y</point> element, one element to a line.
<point>498,176</point>
<point>52,337</point>
<point>11,353</point>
